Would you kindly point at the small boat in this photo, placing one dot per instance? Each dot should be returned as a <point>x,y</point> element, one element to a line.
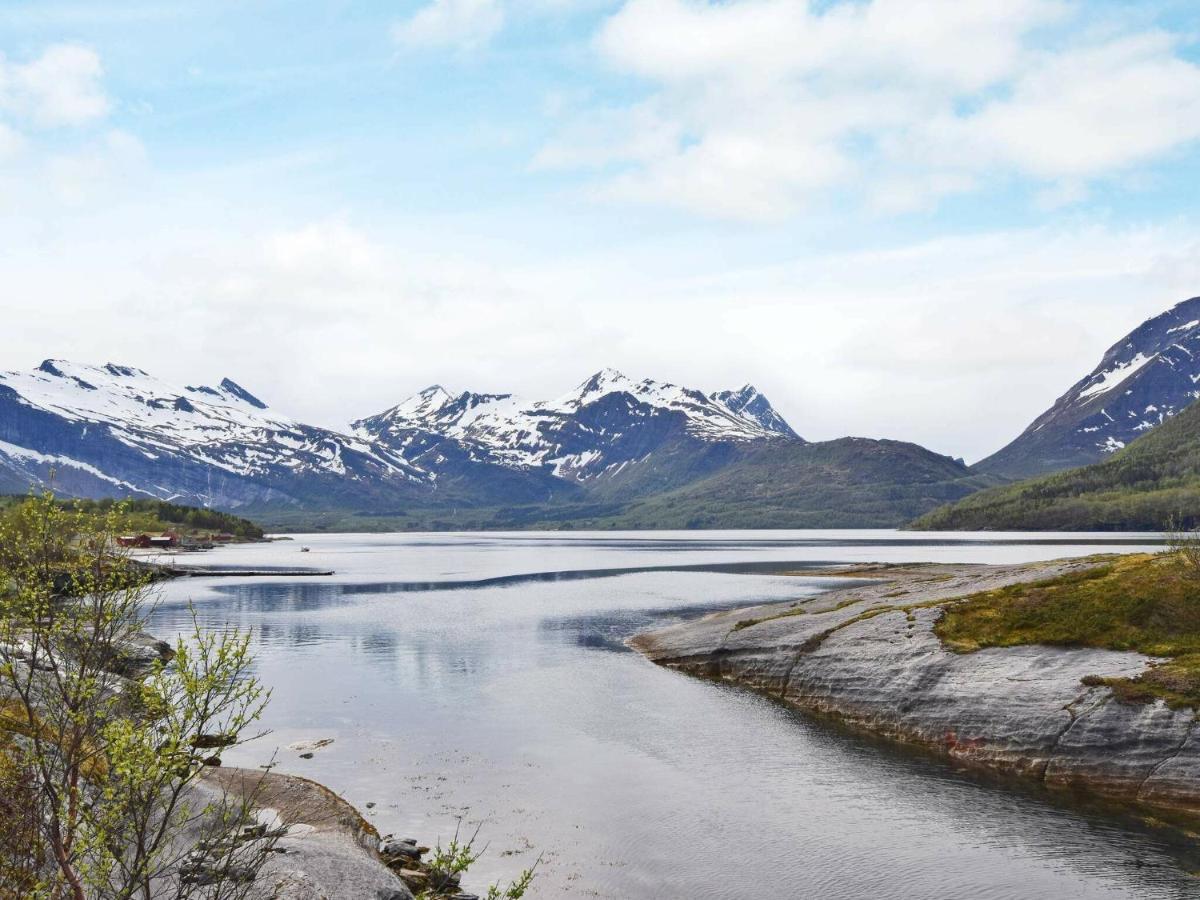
<point>303,549</point>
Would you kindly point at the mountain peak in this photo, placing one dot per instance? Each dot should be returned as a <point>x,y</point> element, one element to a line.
<point>605,381</point>
<point>231,387</point>
<point>432,409</point>
<point>749,403</point>
<point>1145,378</point>
<point>422,404</point>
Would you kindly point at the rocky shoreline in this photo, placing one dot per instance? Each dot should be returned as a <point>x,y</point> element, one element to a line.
<point>866,654</point>
<point>320,845</point>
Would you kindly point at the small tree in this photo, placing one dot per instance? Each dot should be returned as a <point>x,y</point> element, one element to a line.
<point>106,742</point>
<point>1184,544</point>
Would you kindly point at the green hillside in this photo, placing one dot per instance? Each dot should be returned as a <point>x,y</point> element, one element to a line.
<point>1141,488</point>
<point>847,483</point>
<point>157,516</point>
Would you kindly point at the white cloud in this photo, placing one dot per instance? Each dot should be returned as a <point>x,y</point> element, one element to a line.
<point>54,134</point>
<point>468,25</point>
<point>462,24</point>
<point>953,343</point>
<point>755,107</point>
<point>62,87</point>
<point>11,142</point>
<point>92,170</point>
<point>1089,111</point>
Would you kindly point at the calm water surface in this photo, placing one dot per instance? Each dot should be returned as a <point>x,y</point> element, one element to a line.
<point>485,677</point>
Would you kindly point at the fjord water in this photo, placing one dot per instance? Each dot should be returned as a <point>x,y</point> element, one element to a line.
<point>484,676</point>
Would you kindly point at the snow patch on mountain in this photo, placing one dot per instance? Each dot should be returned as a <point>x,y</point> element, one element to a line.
<point>17,455</point>
<point>1112,378</point>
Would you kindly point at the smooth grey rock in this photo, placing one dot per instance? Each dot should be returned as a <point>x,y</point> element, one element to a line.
<point>326,850</point>
<point>1022,710</point>
<point>1174,780</point>
<point>138,655</point>
<point>1120,744</point>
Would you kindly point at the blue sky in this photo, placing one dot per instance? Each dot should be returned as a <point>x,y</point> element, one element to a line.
<point>919,219</point>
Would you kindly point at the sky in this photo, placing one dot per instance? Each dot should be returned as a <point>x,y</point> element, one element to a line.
<point>915,219</point>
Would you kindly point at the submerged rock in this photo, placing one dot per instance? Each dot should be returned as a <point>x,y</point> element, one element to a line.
<point>310,745</point>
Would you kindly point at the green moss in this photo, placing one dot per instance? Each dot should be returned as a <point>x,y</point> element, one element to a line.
<point>1143,603</point>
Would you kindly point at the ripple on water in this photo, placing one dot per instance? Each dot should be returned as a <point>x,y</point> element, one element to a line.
<point>515,702</point>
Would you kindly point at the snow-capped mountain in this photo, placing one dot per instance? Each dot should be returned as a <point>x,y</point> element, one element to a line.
<point>611,451</point>
<point>1146,377</point>
<point>606,424</point>
<point>117,430</point>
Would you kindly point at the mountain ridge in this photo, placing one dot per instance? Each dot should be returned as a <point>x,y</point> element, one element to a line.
<point>1145,378</point>
<point>439,459</point>
<point>1153,482</point>
<point>591,433</point>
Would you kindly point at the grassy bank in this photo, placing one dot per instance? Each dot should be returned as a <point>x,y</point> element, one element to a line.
<point>1144,603</point>
<point>158,516</point>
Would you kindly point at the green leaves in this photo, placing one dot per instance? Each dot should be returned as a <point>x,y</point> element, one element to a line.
<point>110,758</point>
<point>448,864</point>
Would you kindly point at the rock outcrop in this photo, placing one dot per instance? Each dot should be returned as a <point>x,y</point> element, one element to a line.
<point>867,654</point>
<point>326,849</point>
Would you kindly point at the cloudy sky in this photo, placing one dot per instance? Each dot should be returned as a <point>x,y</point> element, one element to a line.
<point>920,219</point>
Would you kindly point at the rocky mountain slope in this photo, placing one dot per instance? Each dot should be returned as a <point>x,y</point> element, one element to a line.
<point>1140,488</point>
<point>1145,378</point>
<point>112,430</point>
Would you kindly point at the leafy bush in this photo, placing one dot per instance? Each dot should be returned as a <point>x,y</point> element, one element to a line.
<point>100,741</point>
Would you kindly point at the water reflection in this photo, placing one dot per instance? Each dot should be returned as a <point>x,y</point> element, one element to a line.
<point>482,691</point>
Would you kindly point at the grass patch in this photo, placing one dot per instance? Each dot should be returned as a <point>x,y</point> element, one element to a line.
<point>1145,603</point>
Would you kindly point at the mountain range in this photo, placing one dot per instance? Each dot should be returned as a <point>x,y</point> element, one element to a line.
<point>115,430</point>
<point>612,452</point>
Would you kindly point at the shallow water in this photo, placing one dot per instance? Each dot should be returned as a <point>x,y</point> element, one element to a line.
<point>485,677</point>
